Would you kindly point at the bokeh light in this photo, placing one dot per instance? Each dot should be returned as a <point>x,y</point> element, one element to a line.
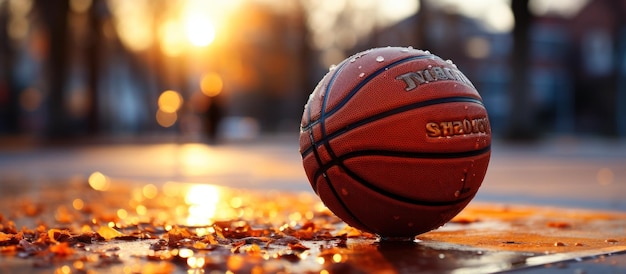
<point>170,101</point>
<point>565,8</point>
<point>211,84</point>
<point>172,38</point>
<point>495,15</point>
<point>122,213</point>
<point>605,176</point>
<point>477,47</point>
<point>150,191</point>
<point>99,181</point>
<point>30,99</point>
<point>134,23</point>
<point>78,204</point>
<point>166,119</point>
<point>18,25</point>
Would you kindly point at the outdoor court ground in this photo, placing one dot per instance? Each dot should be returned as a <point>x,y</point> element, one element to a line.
<point>186,207</point>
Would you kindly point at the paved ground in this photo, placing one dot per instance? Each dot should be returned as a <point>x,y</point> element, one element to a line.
<point>577,175</point>
<point>565,171</point>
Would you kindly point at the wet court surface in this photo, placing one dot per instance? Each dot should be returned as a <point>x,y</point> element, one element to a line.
<point>193,208</point>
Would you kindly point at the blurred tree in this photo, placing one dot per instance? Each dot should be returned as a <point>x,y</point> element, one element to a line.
<point>619,8</point>
<point>522,113</point>
<point>97,13</point>
<point>8,95</point>
<point>54,17</point>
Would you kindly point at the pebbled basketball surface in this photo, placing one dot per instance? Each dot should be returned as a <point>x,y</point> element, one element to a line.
<point>395,141</point>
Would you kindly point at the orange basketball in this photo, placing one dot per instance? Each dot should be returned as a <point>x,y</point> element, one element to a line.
<point>395,141</point>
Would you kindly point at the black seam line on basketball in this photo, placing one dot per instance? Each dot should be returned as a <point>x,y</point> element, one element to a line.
<point>359,86</point>
<point>373,75</point>
<point>381,115</point>
<point>398,197</point>
<point>338,69</point>
<point>317,158</point>
<point>329,149</point>
<point>402,154</point>
<point>343,204</point>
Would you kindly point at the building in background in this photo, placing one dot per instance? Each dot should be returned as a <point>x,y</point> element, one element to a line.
<point>75,68</point>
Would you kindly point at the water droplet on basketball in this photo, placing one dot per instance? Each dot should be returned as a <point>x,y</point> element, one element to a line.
<point>466,107</point>
<point>360,67</point>
<point>426,52</point>
<point>361,74</point>
<point>409,47</point>
<point>380,59</point>
<point>449,62</point>
<point>404,50</point>
<point>353,60</point>
<point>344,192</point>
<point>457,194</point>
<point>430,66</point>
<point>332,67</point>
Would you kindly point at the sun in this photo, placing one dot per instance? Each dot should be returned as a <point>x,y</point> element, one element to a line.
<point>199,29</point>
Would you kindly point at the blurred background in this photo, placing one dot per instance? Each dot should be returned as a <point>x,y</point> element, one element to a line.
<point>209,69</point>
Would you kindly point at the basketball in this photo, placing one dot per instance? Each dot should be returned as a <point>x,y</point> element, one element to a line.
<point>395,141</point>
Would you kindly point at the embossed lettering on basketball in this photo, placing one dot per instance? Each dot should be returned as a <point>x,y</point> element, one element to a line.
<point>395,141</point>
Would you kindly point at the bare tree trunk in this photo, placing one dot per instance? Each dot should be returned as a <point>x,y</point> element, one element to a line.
<point>522,111</point>
<point>94,57</point>
<point>620,68</point>
<point>9,108</point>
<point>54,17</point>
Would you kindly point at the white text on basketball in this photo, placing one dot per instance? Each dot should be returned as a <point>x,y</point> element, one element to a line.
<point>414,79</point>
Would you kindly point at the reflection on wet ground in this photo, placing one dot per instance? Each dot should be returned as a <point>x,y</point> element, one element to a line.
<point>248,208</point>
<point>99,224</point>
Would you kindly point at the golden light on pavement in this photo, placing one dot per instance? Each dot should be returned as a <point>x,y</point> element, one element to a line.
<point>211,84</point>
<point>150,191</point>
<point>98,181</point>
<point>202,201</point>
<point>202,160</point>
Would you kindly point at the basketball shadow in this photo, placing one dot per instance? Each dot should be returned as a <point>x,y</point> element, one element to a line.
<point>442,257</point>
